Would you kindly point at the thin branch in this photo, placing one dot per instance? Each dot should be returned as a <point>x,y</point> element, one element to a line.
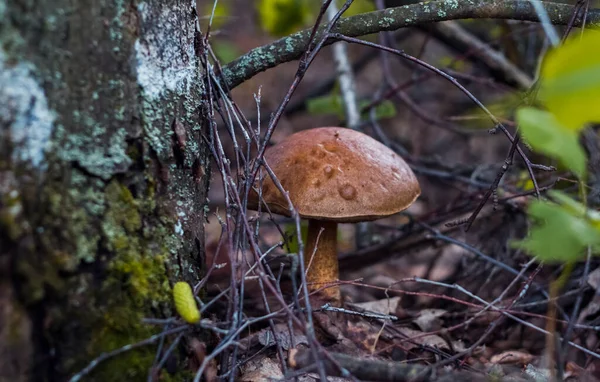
<point>374,369</point>
<point>293,47</point>
<point>492,58</point>
<point>507,314</point>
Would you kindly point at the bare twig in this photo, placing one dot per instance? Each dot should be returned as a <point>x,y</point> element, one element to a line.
<point>329,308</point>
<point>507,314</point>
<point>492,58</point>
<point>375,370</point>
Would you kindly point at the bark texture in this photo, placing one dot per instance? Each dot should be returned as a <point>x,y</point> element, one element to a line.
<point>103,180</point>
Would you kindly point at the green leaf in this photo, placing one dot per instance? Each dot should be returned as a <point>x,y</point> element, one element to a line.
<point>326,105</point>
<point>385,109</point>
<point>220,17</point>
<point>558,235</point>
<point>333,104</point>
<point>545,134</point>
<point>570,81</point>
<point>283,17</point>
<point>225,51</point>
<point>575,208</point>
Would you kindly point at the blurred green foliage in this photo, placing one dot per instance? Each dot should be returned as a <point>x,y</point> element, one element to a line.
<point>332,104</point>
<point>225,51</point>
<point>560,233</point>
<point>283,17</point>
<point>569,96</point>
<point>220,17</point>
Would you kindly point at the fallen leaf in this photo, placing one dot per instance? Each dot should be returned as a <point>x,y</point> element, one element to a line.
<point>363,334</point>
<point>429,319</point>
<point>459,346</point>
<point>591,310</point>
<point>261,369</point>
<point>594,279</point>
<point>199,351</point>
<point>282,336</point>
<point>385,306</point>
<point>512,357</point>
<point>421,338</point>
<point>573,370</point>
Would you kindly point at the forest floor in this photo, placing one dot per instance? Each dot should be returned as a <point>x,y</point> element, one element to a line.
<point>420,290</point>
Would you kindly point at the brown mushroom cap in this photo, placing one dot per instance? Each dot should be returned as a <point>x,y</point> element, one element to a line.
<point>337,174</point>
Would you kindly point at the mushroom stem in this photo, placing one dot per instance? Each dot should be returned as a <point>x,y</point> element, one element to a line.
<point>322,267</point>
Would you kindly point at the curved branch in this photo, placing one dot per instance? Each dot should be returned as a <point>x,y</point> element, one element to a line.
<point>291,47</point>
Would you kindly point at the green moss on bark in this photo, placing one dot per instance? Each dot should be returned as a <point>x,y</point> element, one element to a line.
<point>132,283</point>
<point>125,245</point>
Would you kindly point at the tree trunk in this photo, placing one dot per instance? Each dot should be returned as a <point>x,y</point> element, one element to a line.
<point>103,180</point>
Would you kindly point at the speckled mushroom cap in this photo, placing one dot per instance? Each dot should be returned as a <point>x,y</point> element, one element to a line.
<point>337,174</point>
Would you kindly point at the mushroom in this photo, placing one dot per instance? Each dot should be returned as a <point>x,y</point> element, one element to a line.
<point>334,175</point>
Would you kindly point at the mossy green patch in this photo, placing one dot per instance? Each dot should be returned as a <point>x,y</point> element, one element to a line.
<point>120,240</point>
<point>122,216</point>
<point>135,286</point>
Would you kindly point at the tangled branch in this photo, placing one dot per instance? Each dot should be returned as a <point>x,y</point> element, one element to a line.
<point>292,47</point>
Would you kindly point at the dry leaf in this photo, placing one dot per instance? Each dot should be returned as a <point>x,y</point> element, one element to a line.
<point>573,370</point>
<point>591,310</point>
<point>385,306</point>
<point>421,338</point>
<point>459,346</point>
<point>594,279</point>
<point>429,319</point>
<point>261,369</point>
<point>282,335</point>
<point>199,350</point>
<point>446,264</point>
<point>512,357</point>
<point>363,333</point>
